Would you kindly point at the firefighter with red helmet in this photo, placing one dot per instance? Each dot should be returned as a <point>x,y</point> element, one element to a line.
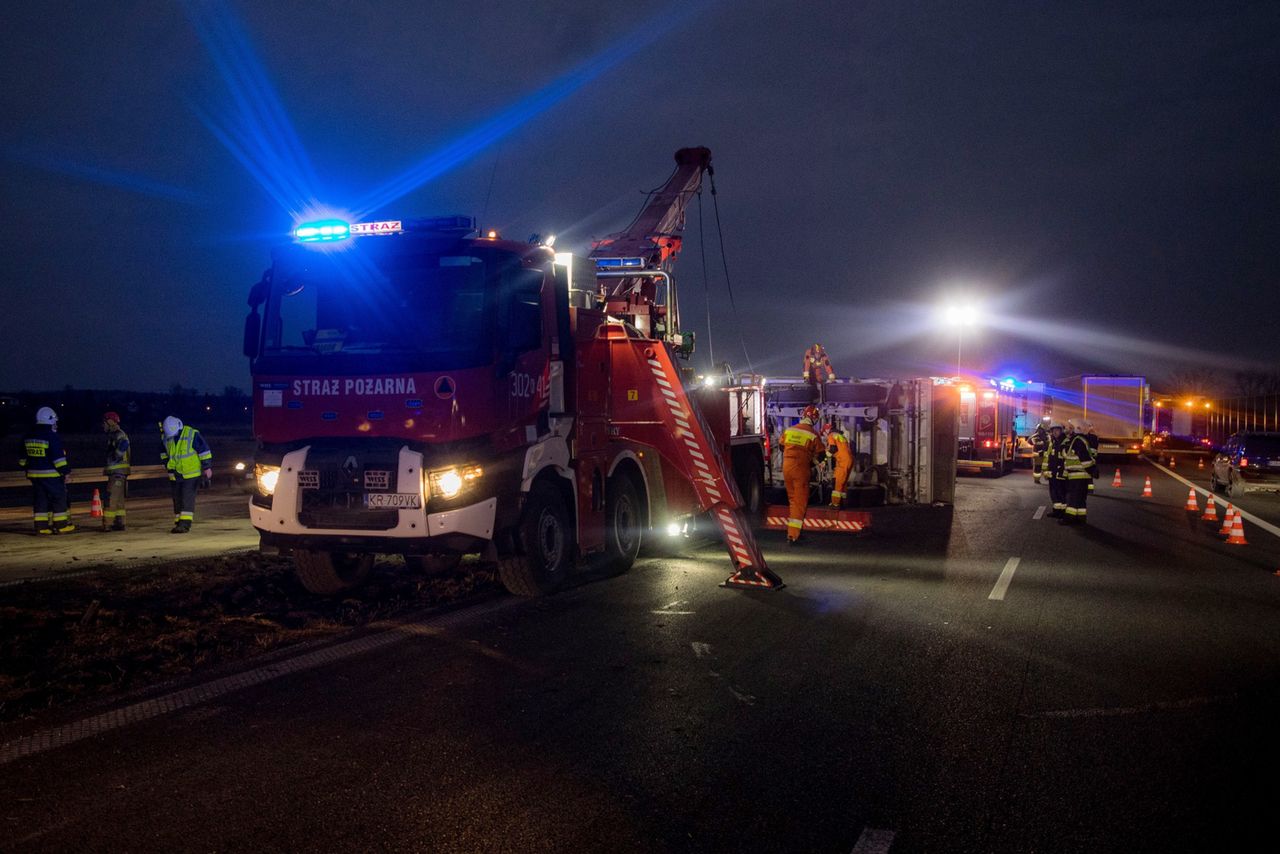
<point>840,450</point>
<point>800,449</point>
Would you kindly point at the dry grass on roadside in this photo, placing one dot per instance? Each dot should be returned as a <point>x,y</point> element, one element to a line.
<point>87,637</point>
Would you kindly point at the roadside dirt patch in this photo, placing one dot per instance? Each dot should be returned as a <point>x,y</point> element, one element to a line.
<point>85,637</point>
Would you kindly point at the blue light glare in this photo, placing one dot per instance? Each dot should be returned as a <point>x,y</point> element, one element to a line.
<point>323,230</point>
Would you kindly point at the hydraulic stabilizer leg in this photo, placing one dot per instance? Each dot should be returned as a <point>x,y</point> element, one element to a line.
<point>750,570</point>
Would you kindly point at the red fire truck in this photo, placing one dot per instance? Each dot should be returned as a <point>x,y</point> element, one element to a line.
<point>987,442</point>
<point>425,390</point>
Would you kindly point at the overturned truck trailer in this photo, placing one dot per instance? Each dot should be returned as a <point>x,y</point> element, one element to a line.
<point>903,435</point>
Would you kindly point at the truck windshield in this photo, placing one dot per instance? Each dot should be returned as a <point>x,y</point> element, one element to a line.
<point>433,309</point>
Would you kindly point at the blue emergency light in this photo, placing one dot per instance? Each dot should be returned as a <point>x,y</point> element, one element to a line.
<point>620,262</point>
<point>322,230</point>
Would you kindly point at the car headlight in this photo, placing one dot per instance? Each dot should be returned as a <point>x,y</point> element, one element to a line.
<point>449,483</point>
<point>267,477</point>
<point>239,466</point>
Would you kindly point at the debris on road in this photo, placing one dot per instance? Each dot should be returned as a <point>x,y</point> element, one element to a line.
<point>76,639</point>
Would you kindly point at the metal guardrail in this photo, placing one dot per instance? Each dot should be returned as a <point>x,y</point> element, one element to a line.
<point>13,479</point>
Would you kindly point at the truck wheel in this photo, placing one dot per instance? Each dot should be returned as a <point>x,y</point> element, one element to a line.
<point>544,538</point>
<point>750,477</point>
<point>326,573</point>
<point>432,564</point>
<point>623,521</point>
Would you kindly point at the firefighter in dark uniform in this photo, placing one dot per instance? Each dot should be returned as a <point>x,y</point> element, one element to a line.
<point>1039,449</point>
<point>1056,471</point>
<point>1078,464</point>
<point>45,462</point>
<point>1091,436</point>
<point>117,471</point>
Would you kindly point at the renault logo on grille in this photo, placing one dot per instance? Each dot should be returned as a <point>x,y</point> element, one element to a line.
<point>350,466</point>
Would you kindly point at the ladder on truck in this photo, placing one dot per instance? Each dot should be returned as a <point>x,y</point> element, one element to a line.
<point>684,438</point>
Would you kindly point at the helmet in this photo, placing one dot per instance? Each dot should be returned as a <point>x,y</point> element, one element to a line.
<point>111,416</point>
<point>1057,425</point>
<point>172,426</point>
<point>810,412</point>
<point>45,415</point>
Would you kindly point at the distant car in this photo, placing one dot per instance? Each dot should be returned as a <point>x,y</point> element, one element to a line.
<point>1248,462</point>
<point>1165,442</point>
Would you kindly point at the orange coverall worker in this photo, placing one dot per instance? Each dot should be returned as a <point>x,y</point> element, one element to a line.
<point>838,447</point>
<point>799,445</point>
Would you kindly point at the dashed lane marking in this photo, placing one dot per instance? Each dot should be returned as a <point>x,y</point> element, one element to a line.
<point>1039,514</point>
<point>43,740</point>
<point>1261,523</point>
<point>1006,576</point>
<point>873,841</point>
<point>1117,711</point>
<point>701,650</point>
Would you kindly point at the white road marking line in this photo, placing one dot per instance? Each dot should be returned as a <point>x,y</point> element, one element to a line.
<point>1006,576</point>
<point>1261,523</point>
<point>48,739</point>
<point>1189,703</point>
<point>1039,514</point>
<point>673,612</point>
<point>873,841</point>
<point>701,650</point>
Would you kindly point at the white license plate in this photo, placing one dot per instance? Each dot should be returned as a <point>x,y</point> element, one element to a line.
<point>393,500</point>
<point>1275,464</point>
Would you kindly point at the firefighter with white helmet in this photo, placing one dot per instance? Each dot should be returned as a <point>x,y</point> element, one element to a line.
<point>45,462</point>
<point>1091,436</point>
<point>187,457</point>
<point>1056,470</point>
<point>1078,465</point>
<point>800,446</point>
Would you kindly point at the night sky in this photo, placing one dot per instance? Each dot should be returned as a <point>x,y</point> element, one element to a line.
<point>1104,177</point>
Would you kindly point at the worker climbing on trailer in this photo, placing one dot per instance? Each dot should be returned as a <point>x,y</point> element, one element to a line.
<point>839,449</point>
<point>800,449</point>
<point>817,367</point>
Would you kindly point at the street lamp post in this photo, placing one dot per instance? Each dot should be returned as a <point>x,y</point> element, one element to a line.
<point>960,316</point>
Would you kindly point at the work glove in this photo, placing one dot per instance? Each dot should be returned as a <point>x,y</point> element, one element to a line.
<point>208,478</point>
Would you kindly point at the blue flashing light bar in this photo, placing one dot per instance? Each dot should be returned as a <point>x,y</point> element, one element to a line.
<point>630,263</point>
<point>322,230</point>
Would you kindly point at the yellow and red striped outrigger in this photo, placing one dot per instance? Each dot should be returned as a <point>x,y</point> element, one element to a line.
<point>819,519</point>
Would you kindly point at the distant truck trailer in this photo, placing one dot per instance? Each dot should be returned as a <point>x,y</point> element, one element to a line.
<point>1114,405</point>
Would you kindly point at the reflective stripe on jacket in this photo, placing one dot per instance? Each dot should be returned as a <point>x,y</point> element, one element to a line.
<point>119,454</point>
<point>43,455</point>
<point>186,454</point>
<point>1077,457</point>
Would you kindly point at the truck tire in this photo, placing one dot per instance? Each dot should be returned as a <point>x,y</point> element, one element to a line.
<point>432,564</point>
<point>624,524</point>
<point>750,476</point>
<point>544,539</point>
<point>327,573</point>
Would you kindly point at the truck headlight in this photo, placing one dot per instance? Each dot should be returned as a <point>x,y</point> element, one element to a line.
<point>449,483</point>
<point>267,477</point>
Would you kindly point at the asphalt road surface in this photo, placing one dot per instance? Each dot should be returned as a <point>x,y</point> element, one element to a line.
<point>970,680</point>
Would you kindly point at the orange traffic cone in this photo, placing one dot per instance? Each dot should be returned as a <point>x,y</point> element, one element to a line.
<point>1146,488</point>
<point>1193,506</point>
<point>1237,532</point>
<point>95,506</point>
<point>1200,464</point>
<point>1173,463</point>
<point>1225,530</point>
<point>1210,511</point>
<point>1115,481</point>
